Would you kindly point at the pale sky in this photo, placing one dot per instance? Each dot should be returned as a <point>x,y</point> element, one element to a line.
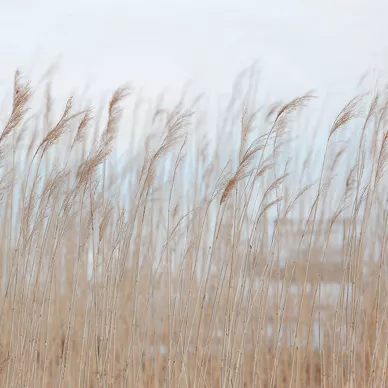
<point>298,45</point>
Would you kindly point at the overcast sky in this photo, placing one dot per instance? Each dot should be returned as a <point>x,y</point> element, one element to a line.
<point>299,45</point>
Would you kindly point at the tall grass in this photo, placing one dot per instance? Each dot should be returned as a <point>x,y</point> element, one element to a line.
<point>191,260</point>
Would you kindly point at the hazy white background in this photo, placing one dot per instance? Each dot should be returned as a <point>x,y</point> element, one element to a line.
<point>299,45</point>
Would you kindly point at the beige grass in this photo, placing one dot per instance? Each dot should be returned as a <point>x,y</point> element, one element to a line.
<point>187,265</point>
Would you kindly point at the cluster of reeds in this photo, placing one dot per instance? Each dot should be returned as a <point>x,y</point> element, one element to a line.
<point>195,259</point>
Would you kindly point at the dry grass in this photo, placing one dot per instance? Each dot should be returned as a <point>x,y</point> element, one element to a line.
<point>188,265</point>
